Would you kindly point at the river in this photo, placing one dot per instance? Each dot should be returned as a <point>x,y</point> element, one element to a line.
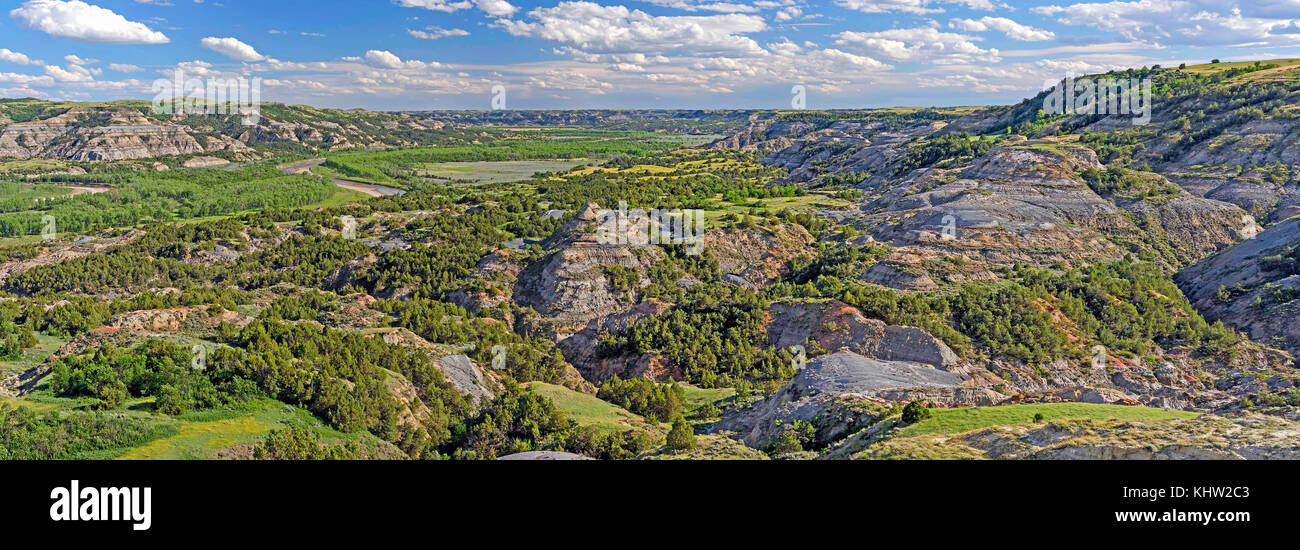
<point>361,187</point>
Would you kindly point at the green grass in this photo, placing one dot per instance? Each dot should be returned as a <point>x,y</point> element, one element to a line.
<point>340,197</point>
<point>698,397</point>
<point>201,435</point>
<point>588,410</point>
<point>954,421</point>
<point>45,346</point>
<point>1223,66</point>
<point>814,201</point>
<point>495,171</point>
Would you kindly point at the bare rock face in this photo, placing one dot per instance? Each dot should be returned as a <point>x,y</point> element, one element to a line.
<point>126,142</point>
<point>1254,437</point>
<point>545,455</point>
<point>1026,204</point>
<point>91,134</point>
<point>763,136</point>
<point>463,373</point>
<point>843,386</point>
<point>758,256</point>
<point>835,325</point>
<point>844,146</point>
<point>28,140</point>
<point>897,276</point>
<point>572,285</point>
<point>205,162</point>
<point>1249,300</point>
<point>466,376</point>
<point>848,372</point>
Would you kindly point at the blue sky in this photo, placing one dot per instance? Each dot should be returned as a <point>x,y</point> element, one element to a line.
<point>448,54</point>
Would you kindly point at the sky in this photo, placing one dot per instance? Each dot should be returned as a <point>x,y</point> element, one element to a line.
<point>666,54</point>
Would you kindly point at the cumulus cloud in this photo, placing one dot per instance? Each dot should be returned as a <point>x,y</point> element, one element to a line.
<point>595,29</point>
<point>921,44</point>
<point>496,8</point>
<point>14,57</point>
<point>26,79</point>
<point>1187,22</point>
<point>74,73</point>
<point>77,20</point>
<point>125,67</point>
<point>232,48</point>
<point>788,13</point>
<point>1012,29</point>
<point>384,59</point>
<point>78,60</point>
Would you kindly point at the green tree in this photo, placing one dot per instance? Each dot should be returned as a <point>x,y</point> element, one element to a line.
<point>681,437</point>
<point>915,412</point>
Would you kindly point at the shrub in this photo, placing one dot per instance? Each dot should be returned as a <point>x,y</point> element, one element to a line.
<point>915,412</point>
<point>681,437</point>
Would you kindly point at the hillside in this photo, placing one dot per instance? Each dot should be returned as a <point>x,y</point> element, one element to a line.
<point>877,283</point>
<point>128,130</point>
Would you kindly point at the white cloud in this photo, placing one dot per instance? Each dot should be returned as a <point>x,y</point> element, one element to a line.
<point>78,20</point>
<point>26,79</point>
<point>919,7</point>
<point>74,73</point>
<point>14,57</point>
<point>786,14</point>
<point>496,8</point>
<point>1188,22</point>
<point>444,6</point>
<point>921,44</point>
<point>384,59</point>
<point>434,33</point>
<point>707,5</point>
<point>591,28</point>
<point>1022,78</point>
<point>232,48</point>
<point>125,67</point>
<point>1012,29</point>
<point>76,60</point>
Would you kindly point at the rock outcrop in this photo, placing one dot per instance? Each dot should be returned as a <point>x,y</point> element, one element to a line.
<point>1240,289</point>
<point>758,256</point>
<point>839,393</point>
<point>835,325</point>
<point>573,285</point>
<point>1252,437</point>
